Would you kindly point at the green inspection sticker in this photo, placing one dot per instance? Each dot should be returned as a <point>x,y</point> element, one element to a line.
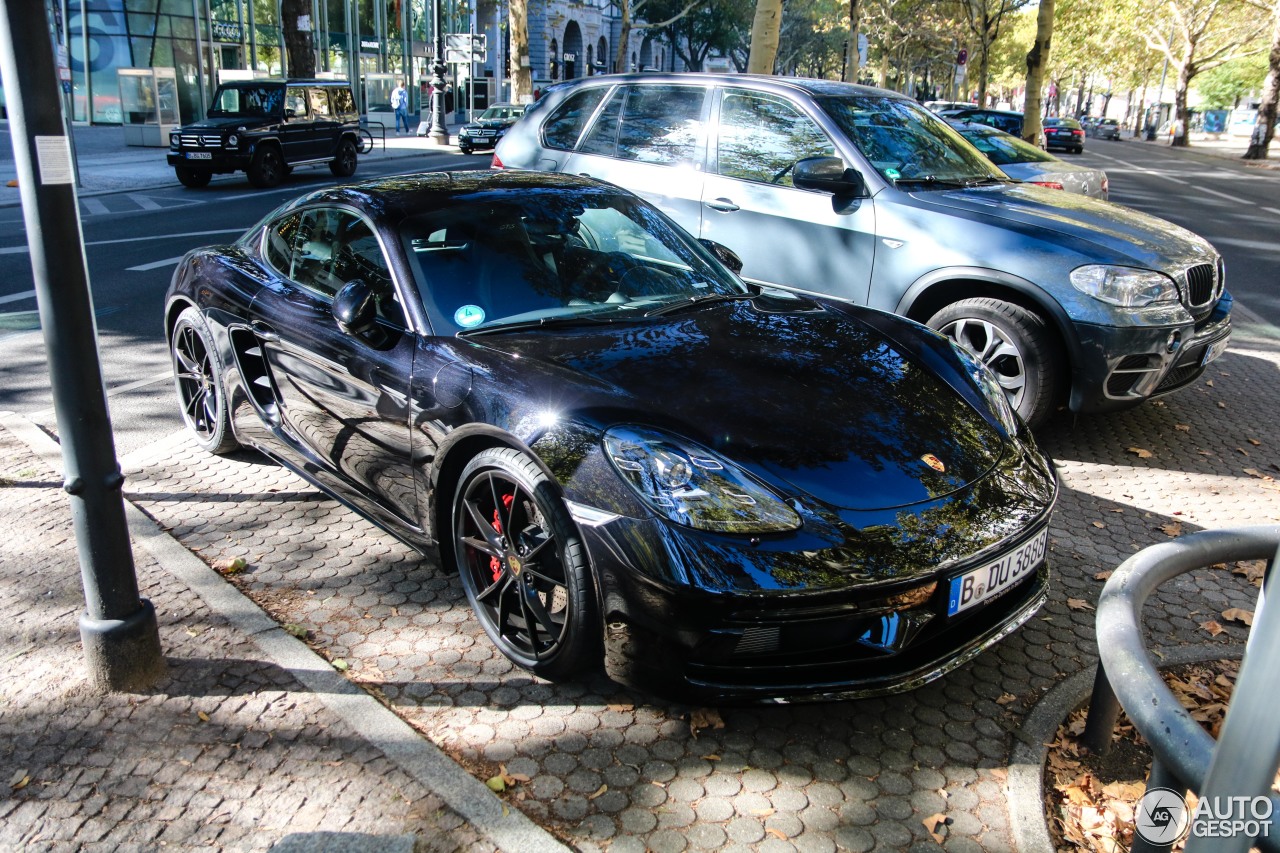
<point>892,174</point>
<point>468,316</point>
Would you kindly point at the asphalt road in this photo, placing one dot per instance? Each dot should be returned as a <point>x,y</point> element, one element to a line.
<point>134,240</point>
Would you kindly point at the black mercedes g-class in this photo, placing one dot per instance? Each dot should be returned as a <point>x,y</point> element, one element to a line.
<point>266,127</point>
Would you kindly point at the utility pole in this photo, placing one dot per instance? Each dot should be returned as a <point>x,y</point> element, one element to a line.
<point>118,629</point>
<point>438,133</point>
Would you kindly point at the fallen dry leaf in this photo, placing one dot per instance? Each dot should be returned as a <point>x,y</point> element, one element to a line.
<point>20,780</point>
<point>599,792</point>
<point>496,784</point>
<point>1140,452</point>
<point>232,566</point>
<point>204,718</point>
<point>763,812</point>
<point>1099,525</point>
<point>1236,614</point>
<point>1006,698</point>
<point>621,706</point>
<point>1182,427</point>
<point>1253,572</point>
<point>1209,383</point>
<point>704,718</point>
<point>1242,450</point>
<point>1101,576</point>
<point>1212,627</point>
<point>711,757</point>
<point>1222,405</point>
<point>776,833</point>
<point>1173,528</point>
<point>1079,604</point>
<point>1254,442</point>
<point>932,823</point>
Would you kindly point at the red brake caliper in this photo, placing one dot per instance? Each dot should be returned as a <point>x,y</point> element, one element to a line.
<point>495,565</point>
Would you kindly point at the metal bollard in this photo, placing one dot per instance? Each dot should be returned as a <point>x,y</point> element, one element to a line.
<point>1104,710</point>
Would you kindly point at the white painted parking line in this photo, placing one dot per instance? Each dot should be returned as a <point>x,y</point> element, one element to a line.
<point>1272,210</point>
<point>17,297</point>
<point>1234,198</point>
<point>155,265</point>
<point>143,202</point>
<point>17,250</point>
<point>93,207</point>
<point>1146,171</point>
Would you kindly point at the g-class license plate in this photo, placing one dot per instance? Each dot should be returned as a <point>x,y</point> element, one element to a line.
<point>987,582</point>
<point>199,155</point>
<point>1214,350</point>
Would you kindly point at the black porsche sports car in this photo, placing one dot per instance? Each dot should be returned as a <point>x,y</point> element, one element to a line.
<point>629,455</point>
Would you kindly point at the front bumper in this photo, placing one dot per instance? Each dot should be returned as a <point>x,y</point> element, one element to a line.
<point>219,160</point>
<point>1121,367</point>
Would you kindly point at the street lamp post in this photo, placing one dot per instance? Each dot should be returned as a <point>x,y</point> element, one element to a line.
<point>439,131</point>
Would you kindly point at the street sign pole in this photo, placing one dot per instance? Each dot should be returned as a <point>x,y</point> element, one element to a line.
<point>118,629</point>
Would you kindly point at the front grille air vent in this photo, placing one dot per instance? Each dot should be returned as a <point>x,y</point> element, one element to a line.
<point>1201,281</point>
<point>200,140</point>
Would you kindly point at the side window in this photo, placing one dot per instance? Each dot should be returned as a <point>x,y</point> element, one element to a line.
<point>762,137</point>
<point>295,102</point>
<point>569,119</point>
<point>603,137</point>
<point>315,250</point>
<point>359,256</point>
<point>343,102</point>
<point>319,103</point>
<point>278,246</point>
<point>661,124</point>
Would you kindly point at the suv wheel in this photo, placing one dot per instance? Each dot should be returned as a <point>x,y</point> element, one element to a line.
<point>344,164</point>
<point>193,178</point>
<point>1015,343</point>
<point>267,169</point>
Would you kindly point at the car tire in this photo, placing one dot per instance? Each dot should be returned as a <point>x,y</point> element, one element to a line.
<point>343,165</point>
<point>464,149</point>
<point>193,178</point>
<point>198,373</point>
<point>539,577</point>
<point>1017,344</point>
<point>267,168</point>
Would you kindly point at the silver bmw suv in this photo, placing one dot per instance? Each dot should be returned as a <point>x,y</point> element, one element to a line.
<point>861,194</point>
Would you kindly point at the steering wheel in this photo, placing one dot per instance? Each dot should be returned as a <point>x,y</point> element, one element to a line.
<point>642,280</point>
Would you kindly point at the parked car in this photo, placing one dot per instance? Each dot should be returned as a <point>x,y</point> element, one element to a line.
<point>939,106</point>
<point>1006,120</point>
<point>590,417</point>
<point>860,193</point>
<point>1024,162</point>
<point>1064,133</point>
<point>1105,128</point>
<point>267,127</point>
<point>488,127</point>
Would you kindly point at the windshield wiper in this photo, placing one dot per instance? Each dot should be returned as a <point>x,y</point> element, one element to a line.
<point>540,323</point>
<point>935,181</point>
<point>696,299</point>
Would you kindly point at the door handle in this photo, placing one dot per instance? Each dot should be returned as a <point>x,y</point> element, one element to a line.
<point>263,331</point>
<point>722,204</point>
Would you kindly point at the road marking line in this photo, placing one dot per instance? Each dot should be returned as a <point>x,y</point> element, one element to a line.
<point>155,265</point>
<point>145,203</point>
<point>1272,210</point>
<point>17,250</point>
<point>1236,199</point>
<point>94,207</point>
<point>17,297</point>
<point>123,389</point>
<point>1146,171</point>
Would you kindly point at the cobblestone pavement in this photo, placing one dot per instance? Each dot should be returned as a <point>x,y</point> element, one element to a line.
<point>610,769</point>
<point>227,752</point>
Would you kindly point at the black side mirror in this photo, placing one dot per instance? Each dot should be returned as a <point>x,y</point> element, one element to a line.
<point>723,254</point>
<point>355,308</point>
<point>828,175</point>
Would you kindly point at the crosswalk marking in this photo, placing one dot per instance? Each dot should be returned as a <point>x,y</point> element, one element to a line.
<point>145,203</point>
<point>94,207</point>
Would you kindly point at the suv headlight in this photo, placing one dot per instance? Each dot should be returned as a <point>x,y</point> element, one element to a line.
<point>692,486</point>
<point>233,141</point>
<point>989,384</point>
<point>1127,287</point>
<point>175,139</point>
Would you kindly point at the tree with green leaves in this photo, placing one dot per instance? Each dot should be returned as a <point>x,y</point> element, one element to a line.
<point>630,12</point>
<point>1265,127</point>
<point>766,26</point>
<point>1037,60</point>
<point>984,18</point>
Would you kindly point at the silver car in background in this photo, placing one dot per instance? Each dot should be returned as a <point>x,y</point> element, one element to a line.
<point>1024,162</point>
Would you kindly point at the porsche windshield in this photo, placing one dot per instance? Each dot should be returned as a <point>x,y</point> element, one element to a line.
<point>909,145</point>
<point>551,256</point>
<point>247,102</point>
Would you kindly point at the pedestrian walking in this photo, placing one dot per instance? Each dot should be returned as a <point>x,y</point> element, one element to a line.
<point>400,103</point>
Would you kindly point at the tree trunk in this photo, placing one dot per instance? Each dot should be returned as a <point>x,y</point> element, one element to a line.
<point>851,67</point>
<point>1266,122</point>
<point>883,80</point>
<point>765,28</point>
<point>1181,115</point>
<point>300,55</point>
<point>1037,59</point>
<point>521,69</point>
<point>620,65</point>
<point>984,70</point>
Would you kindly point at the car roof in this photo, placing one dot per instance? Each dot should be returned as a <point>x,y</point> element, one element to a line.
<point>276,81</point>
<point>395,198</point>
<point>816,88</point>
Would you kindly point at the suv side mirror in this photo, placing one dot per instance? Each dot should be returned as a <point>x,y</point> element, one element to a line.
<point>828,175</point>
<point>723,254</point>
<point>355,308</point>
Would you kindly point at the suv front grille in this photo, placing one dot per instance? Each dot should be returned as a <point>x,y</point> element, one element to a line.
<point>200,140</point>
<point>1200,284</point>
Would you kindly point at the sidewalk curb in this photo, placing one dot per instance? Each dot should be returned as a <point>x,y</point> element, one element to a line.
<point>1031,742</point>
<point>506,826</point>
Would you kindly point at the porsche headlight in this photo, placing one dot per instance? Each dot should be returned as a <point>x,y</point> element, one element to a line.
<point>1127,287</point>
<point>692,486</point>
<point>991,389</point>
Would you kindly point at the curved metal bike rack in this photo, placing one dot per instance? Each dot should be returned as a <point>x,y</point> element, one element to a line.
<point>1243,761</point>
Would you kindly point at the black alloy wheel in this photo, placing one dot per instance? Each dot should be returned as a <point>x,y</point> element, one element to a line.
<point>193,178</point>
<point>524,566</point>
<point>344,164</point>
<point>197,372</point>
<point>267,168</point>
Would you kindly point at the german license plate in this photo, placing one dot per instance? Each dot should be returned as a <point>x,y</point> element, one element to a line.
<point>989,581</point>
<point>1214,350</point>
<point>199,155</point>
